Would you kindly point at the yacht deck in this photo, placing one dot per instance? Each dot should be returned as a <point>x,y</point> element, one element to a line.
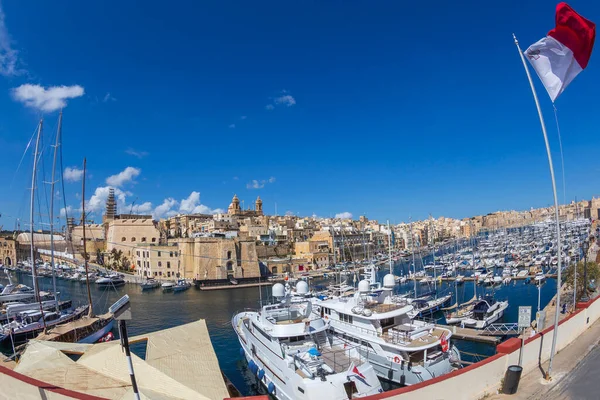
<point>338,358</point>
<point>402,336</point>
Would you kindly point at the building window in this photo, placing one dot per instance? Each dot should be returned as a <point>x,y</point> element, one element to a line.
<point>153,240</point>
<point>159,273</point>
<point>168,274</point>
<point>133,239</point>
<point>143,239</point>
<point>229,266</point>
<point>159,253</point>
<point>139,263</point>
<point>137,253</point>
<point>168,264</point>
<point>159,264</point>
<point>123,239</point>
<point>229,255</point>
<point>155,273</point>
<point>171,254</point>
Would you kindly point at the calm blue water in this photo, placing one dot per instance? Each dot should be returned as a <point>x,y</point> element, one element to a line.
<point>154,310</point>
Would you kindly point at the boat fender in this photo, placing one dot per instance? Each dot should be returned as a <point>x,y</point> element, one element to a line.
<point>261,373</point>
<point>397,360</point>
<point>252,366</point>
<point>271,388</point>
<point>242,352</point>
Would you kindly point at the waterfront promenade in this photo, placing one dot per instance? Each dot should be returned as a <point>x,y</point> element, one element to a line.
<point>570,368</point>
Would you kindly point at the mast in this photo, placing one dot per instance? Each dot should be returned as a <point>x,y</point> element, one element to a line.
<point>433,242</point>
<point>85,261</point>
<point>58,132</point>
<point>412,245</point>
<point>390,247</point>
<point>32,252</point>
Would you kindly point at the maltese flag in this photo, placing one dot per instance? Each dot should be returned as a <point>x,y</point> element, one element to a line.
<point>564,53</point>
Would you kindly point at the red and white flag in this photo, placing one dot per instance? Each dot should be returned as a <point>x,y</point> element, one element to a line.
<point>564,53</point>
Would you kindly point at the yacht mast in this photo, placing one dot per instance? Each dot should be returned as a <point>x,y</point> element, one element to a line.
<point>85,261</point>
<point>58,132</point>
<point>433,241</point>
<point>390,247</point>
<point>32,252</point>
<point>412,245</point>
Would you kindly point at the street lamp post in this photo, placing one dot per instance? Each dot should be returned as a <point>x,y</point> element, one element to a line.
<point>585,247</point>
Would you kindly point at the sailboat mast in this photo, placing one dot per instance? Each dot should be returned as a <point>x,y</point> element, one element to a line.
<point>412,245</point>
<point>85,261</point>
<point>31,216</point>
<point>433,241</point>
<point>58,132</point>
<point>390,249</point>
<point>36,289</point>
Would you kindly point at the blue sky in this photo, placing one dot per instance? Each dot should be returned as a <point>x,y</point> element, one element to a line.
<point>390,109</point>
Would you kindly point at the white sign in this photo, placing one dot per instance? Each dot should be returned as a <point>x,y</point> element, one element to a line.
<point>524,316</point>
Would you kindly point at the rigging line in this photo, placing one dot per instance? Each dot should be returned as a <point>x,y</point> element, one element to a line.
<point>562,160</point>
<point>23,156</point>
<point>64,196</point>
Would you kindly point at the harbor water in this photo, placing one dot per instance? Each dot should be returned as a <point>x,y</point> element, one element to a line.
<point>154,310</point>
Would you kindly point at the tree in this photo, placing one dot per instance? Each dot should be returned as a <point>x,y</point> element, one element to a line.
<point>593,274</point>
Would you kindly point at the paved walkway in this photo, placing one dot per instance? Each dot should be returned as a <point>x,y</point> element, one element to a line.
<point>572,366</point>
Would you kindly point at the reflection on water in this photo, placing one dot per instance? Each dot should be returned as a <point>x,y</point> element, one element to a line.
<point>154,310</point>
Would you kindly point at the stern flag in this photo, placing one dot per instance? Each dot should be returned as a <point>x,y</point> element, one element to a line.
<point>564,53</point>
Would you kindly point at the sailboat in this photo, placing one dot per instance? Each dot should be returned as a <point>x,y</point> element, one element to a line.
<point>90,328</point>
<point>29,323</point>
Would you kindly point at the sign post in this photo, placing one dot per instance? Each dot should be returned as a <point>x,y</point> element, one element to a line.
<point>524,322</point>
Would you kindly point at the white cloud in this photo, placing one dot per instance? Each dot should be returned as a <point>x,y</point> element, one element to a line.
<point>259,184</point>
<point>68,212</point>
<point>254,184</point>
<point>231,126</point>
<point>97,202</point>
<point>46,99</point>
<point>235,178</point>
<point>165,209</point>
<point>269,107</point>
<point>286,100</point>
<point>137,153</point>
<point>243,117</point>
<point>123,177</point>
<point>9,57</point>
<point>344,215</point>
<point>144,208</point>
<point>187,205</point>
<point>108,97</point>
<point>72,174</point>
<point>192,205</point>
<point>289,213</point>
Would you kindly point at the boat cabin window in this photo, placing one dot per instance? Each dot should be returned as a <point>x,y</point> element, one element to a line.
<point>346,318</point>
<point>327,311</point>
<point>350,388</point>
<point>262,333</point>
<point>387,322</point>
<point>295,339</point>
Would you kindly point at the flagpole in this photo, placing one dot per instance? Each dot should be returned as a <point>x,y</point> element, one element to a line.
<point>558,278</point>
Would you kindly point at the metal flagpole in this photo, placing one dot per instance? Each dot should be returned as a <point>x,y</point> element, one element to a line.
<point>558,278</point>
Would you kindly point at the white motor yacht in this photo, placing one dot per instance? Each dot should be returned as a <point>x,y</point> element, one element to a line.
<point>293,355</point>
<point>401,349</point>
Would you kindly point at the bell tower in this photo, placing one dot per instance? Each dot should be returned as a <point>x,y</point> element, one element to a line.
<point>258,206</point>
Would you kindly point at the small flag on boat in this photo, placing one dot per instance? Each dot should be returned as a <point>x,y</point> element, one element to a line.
<point>353,370</point>
<point>444,342</point>
<point>564,52</point>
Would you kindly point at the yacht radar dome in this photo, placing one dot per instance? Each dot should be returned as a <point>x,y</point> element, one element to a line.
<point>278,290</point>
<point>389,281</point>
<point>302,287</point>
<point>364,286</point>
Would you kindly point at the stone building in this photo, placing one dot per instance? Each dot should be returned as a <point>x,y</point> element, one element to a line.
<point>8,251</point>
<point>235,209</point>
<point>218,258</point>
<point>126,234</point>
<point>316,252</point>
<point>157,261</point>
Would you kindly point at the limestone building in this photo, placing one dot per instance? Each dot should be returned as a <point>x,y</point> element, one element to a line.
<point>8,251</point>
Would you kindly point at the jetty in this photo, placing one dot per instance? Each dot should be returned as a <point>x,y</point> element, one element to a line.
<point>473,335</point>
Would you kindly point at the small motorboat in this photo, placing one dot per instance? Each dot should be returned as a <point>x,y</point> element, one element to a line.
<point>182,285</point>
<point>539,278</point>
<point>167,286</point>
<point>112,280</point>
<point>150,284</point>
